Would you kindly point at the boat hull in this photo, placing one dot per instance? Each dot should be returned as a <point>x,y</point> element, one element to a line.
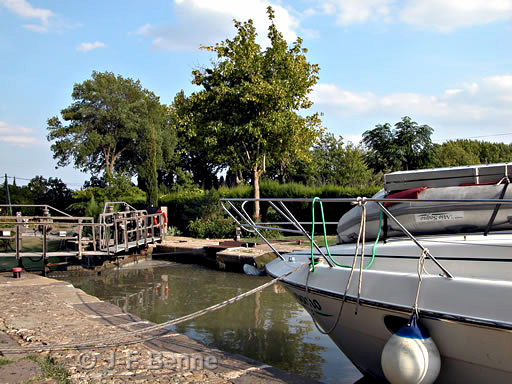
<point>362,336</point>
<point>468,317</point>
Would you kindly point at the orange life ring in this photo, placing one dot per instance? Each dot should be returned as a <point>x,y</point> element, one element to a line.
<point>155,219</point>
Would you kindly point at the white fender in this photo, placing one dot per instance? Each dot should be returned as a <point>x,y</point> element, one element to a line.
<point>410,356</point>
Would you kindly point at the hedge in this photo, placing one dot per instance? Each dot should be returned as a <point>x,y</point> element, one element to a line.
<point>194,206</point>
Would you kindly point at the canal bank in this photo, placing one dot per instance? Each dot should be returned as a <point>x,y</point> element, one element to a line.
<point>43,311</point>
<point>223,254</point>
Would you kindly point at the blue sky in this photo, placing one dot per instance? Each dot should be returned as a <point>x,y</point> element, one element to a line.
<point>446,63</point>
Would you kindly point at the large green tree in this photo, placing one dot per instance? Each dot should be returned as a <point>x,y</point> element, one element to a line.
<point>338,163</point>
<point>407,146</point>
<point>247,112</point>
<point>114,125</point>
<point>198,155</point>
<point>52,192</point>
<point>331,162</point>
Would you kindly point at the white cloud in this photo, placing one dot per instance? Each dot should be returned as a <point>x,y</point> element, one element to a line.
<point>465,110</point>
<point>18,135</point>
<point>23,9</point>
<point>85,47</point>
<point>448,15</point>
<point>205,22</point>
<point>345,101</point>
<point>357,11</point>
<point>440,15</point>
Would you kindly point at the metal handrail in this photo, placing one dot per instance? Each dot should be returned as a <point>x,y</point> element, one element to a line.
<point>142,228</point>
<point>44,206</point>
<point>249,225</point>
<point>369,199</point>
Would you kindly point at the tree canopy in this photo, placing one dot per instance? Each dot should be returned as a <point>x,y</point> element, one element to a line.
<point>407,146</point>
<point>247,112</point>
<point>471,152</point>
<point>114,125</point>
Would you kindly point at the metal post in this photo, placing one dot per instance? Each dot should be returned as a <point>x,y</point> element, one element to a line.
<point>93,230</point>
<point>115,234</point>
<point>45,261</point>
<point>404,230</point>
<point>137,229</point>
<point>79,238</point>
<point>145,228</point>
<point>18,241</point>
<point>125,233</point>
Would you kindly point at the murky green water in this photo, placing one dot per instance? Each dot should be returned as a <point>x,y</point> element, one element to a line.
<point>270,326</point>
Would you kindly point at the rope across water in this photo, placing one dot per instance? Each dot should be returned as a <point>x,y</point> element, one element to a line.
<point>110,341</point>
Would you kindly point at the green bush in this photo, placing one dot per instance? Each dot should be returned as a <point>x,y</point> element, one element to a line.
<point>213,227</point>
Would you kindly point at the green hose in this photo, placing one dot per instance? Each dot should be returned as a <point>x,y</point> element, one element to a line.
<point>374,248</point>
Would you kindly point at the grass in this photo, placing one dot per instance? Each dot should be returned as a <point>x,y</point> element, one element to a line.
<point>4,361</point>
<point>51,369</point>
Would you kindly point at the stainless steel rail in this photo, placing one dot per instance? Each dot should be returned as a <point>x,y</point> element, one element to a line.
<point>244,220</point>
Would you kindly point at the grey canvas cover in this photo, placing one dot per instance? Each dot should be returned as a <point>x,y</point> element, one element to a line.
<point>447,177</point>
<point>426,218</point>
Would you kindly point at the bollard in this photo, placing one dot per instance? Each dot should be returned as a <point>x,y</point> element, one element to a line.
<point>16,272</point>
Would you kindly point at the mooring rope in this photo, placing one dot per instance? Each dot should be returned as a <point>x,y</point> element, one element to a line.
<point>111,341</point>
<point>362,233</point>
<point>421,269</point>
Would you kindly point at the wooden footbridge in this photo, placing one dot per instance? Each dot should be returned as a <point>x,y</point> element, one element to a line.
<point>43,232</point>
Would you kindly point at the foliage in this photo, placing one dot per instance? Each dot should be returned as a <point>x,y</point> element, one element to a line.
<point>18,195</point>
<point>93,209</point>
<point>121,189</point>
<point>187,206</point>
<point>197,159</point>
<point>52,192</point>
<point>408,146</point>
<point>114,124</point>
<point>337,164</point>
<point>471,152</point>
<point>173,231</point>
<point>246,113</point>
<point>214,227</point>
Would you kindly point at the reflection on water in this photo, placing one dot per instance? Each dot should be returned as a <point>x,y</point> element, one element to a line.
<point>269,326</point>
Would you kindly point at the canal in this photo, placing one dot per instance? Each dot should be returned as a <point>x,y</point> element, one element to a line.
<point>270,326</point>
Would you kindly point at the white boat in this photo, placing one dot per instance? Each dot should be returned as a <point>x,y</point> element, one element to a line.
<point>464,300</point>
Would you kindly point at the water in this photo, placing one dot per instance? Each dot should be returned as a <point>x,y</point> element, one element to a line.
<point>270,326</point>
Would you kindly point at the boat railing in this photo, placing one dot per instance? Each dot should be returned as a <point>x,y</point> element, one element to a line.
<point>237,209</point>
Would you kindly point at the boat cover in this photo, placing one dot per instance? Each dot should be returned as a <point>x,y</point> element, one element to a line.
<point>447,177</point>
<point>427,218</point>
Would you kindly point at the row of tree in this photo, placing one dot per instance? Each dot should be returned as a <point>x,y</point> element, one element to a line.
<point>40,191</point>
<point>248,120</point>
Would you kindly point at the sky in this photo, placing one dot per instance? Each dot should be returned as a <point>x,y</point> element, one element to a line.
<point>445,63</point>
